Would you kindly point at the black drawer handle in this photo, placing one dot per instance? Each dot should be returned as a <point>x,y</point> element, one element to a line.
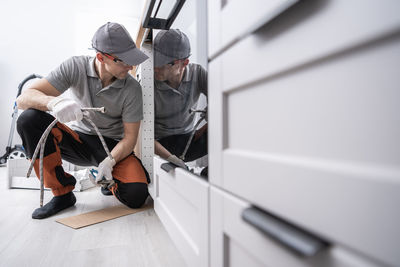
<point>292,237</point>
<point>168,166</point>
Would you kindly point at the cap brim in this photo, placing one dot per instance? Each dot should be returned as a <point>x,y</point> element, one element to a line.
<point>161,59</point>
<point>132,57</point>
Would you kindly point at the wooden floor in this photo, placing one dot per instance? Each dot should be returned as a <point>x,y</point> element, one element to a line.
<point>134,240</point>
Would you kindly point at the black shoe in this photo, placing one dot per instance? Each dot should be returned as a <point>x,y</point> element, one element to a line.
<point>105,191</point>
<point>55,205</point>
<point>204,172</point>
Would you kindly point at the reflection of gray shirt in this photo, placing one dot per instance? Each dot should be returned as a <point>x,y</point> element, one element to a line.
<point>122,99</point>
<point>172,106</point>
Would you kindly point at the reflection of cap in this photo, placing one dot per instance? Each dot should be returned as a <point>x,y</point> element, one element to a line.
<point>113,38</point>
<point>170,45</point>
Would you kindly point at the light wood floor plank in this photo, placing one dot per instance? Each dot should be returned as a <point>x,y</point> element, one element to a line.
<point>135,240</point>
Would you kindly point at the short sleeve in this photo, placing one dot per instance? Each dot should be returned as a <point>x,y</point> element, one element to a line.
<point>62,77</point>
<point>133,105</point>
<point>202,80</point>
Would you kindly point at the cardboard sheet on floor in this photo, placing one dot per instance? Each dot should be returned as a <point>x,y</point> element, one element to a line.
<point>98,216</point>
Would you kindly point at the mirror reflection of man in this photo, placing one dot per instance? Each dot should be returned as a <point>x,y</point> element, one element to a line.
<point>177,89</point>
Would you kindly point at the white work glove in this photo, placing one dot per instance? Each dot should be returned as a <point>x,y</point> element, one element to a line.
<point>177,161</point>
<point>65,110</point>
<point>105,169</point>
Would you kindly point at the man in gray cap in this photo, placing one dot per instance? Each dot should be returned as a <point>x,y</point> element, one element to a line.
<point>100,81</point>
<point>178,85</point>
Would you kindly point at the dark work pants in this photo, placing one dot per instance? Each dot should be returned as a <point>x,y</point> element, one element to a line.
<point>176,144</point>
<point>81,149</point>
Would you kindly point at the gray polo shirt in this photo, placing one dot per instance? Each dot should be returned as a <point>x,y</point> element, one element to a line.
<point>172,106</point>
<point>122,99</point>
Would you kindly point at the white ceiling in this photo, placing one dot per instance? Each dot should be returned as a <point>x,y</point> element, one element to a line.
<point>128,8</point>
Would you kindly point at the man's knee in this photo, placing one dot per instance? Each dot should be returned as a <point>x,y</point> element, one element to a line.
<point>132,194</point>
<point>26,118</point>
<point>31,117</point>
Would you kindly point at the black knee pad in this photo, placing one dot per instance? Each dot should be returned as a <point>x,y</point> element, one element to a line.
<point>33,118</point>
<point>30,126</point>
<point>132,194</point>
<point>25,119</point>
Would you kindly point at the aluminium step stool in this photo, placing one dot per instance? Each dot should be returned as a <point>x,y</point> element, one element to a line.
<point>17,169</point>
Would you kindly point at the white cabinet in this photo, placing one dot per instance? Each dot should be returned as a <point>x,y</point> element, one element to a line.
<point>181,202</point>
<point>326,139</point>
<point>304,124</point>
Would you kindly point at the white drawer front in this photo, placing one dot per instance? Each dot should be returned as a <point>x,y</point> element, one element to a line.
<point>181,202</point>
<point>321,146</point>
<point>234,242</point>
<point>318,143</point>
<point>308,32</point>
<point>345,109</point>
<point>234,19</point>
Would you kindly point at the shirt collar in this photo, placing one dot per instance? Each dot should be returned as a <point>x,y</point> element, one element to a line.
<point>119,83</point>
<point>187,76</point>
<point>91,72</point>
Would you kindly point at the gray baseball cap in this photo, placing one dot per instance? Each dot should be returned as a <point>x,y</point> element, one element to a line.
<point>113,38</point>
<point>170,45</point>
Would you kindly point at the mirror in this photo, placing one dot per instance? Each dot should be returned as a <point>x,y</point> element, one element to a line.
<point>180,88</point>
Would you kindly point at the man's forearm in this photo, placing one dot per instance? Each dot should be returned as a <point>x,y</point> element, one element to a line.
<point>32,98</point>
<point>123,149</point>
<point>161,150</point>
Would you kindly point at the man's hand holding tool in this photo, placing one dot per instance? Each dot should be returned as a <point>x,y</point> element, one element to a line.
<point>65,110</point>
<point>105,171</point>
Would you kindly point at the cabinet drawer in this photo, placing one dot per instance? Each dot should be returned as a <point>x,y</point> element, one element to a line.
<point>235,242</point>
<point>321,147</point>
<point>181,202</point>
<point>307,33</point>
<point>318,144</point>
<point>231,20</point>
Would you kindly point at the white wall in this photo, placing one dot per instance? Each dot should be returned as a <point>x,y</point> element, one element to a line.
<point>38,35</point>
